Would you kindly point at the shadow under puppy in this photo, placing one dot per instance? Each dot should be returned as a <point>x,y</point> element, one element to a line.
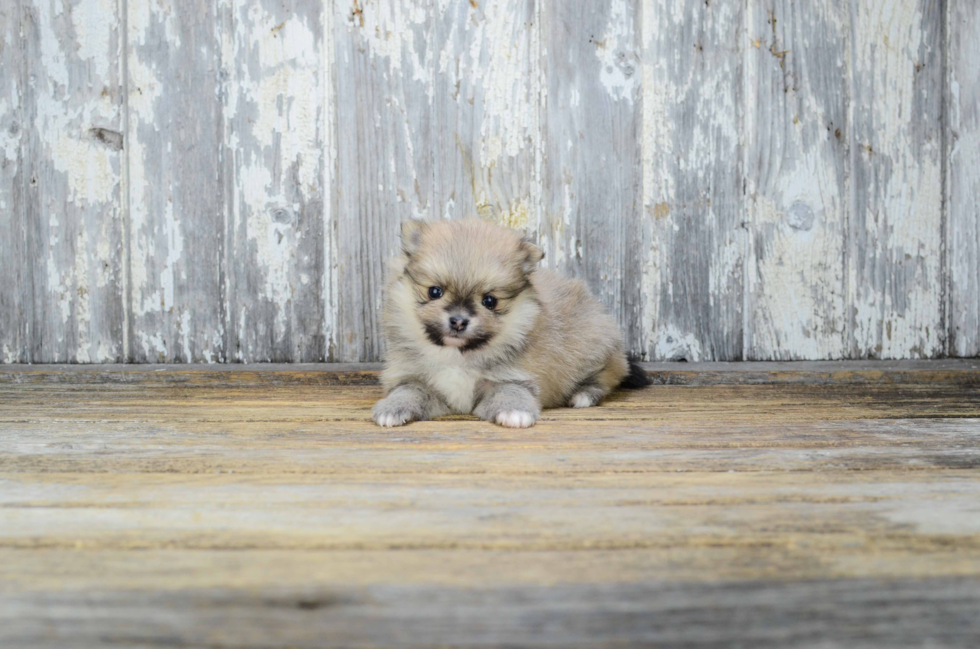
<point>472,326</point>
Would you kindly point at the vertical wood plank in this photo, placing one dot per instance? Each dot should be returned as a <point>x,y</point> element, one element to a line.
<point>385,60</point>
<point>963,175</point>
<point>73,200</point>
<point>485,108</point>
<point>331,256</point>
<point>16,268</point>
<point>274,138</point>
<point>592,181</point>
<point>796,179</point>
<point>833,247</point>
<point>692,180</point>
<point>176,225</point>
<point>895,235</point>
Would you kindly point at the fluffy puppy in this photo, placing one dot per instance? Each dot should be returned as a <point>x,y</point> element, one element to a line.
<point>472,326</point>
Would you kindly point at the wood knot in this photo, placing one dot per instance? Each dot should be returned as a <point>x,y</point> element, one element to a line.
<point>111,139</point>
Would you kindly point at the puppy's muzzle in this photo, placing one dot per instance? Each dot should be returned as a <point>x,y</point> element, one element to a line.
<point>458,323</point>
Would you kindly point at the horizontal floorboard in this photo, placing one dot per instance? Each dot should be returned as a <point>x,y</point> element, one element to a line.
<point>853,613</point>
<point>263,508</point>
<point>959,371</point>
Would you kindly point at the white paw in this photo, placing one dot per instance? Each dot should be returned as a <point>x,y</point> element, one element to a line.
<point>390,419</point>
<point>515,419</point>
<point>581,400</point>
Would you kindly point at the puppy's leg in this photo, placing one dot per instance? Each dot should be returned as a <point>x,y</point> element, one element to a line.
<point>514,405</point>
<point>586,396</point>
<point>407,402</point>
<point>595,388</point>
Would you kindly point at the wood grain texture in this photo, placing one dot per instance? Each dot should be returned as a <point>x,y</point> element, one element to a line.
<point>275,119</point>
<point>436,118</point>
<point>485,146</point>
<point>176,201</point>
<point>259,513</point>
<point>335,442</point>
<point>796,179</point>
<point>223,180</point>
<point>963,176</point>
<point>72,157</point>
<point>694,237</point>
<point>16,298</point>
<point>865,614</point>
<point>384,164</point>
<point>592,170</point>
<point>951,372</point>
<point>895,234</point>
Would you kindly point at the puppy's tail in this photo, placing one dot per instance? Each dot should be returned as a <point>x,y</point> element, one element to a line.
<point>636,379</point>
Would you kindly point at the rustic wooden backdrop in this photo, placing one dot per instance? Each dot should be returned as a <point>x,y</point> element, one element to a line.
<point>222,180</point>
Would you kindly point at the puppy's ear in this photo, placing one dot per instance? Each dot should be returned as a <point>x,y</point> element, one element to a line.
<point>532,255</point>
<point>412,235</point>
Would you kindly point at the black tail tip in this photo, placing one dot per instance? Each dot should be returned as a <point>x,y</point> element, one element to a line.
<point>636,379</point>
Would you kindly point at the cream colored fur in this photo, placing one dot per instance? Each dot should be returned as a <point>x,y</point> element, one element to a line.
<point>550,342</point>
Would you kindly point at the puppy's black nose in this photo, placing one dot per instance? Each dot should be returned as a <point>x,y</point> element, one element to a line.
<point>458,323</point>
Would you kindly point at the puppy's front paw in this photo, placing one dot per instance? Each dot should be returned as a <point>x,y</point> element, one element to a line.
<point>586,397</point>
<point>391,419</point>
<point>391,414</point>
<point>515,418</point>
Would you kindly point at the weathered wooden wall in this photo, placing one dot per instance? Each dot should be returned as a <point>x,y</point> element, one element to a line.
<point>222,180</point>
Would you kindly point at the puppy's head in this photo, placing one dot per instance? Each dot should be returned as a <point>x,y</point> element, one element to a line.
<point>469,280</point>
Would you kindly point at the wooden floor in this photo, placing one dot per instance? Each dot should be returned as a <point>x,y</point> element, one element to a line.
<point>803,505</point>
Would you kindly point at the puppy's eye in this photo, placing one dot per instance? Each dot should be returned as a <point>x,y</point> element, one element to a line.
<point>435,292</point>
<point>489,301</point>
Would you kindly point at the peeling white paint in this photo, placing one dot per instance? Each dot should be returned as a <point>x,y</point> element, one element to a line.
<point>500,60</point>
<point>899,317</point>
<point>658,94</point>
<point>93,31</point>
<point>796,208</point>
<point>89,167</point>
<point>617,54</point>
<point>162,307</point>
<point>288,77</point>
<point>538,99</point>
<point>145,91</point>
<point>154,347</point>
<point>279,87</point>
<point>963,178</point>
<point>278,114</point>
<point>273,242</point>
<point>79,177</point>
<point>105,255</point>
<point>185,333</point>
<point>9,142</point>
<point>175,247</point>
<point>674,345</point>
<point>388,29</point>
<point>53,60</point>
<point>517,216</point>
<point>143,14</point>
<point>688,175</point>
<point>795,195</point>
<point>82,315</point>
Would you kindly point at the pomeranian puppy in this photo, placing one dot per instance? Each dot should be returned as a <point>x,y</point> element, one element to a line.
<point>472,326</point>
